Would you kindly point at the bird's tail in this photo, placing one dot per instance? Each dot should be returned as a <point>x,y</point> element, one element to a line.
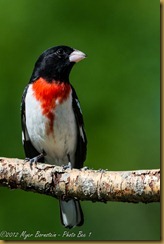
<point>71,213</point>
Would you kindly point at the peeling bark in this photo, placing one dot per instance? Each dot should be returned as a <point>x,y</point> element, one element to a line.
<point>84,184</point>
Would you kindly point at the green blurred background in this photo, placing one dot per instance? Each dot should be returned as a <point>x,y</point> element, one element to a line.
<point>119,89</point>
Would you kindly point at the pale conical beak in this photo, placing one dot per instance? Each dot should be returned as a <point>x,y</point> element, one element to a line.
<point>76,56</point>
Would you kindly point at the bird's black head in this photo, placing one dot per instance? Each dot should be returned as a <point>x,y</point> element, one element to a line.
<point>56,63</point>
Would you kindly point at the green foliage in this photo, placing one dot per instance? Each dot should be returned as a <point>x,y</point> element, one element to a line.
<point>119,88</point>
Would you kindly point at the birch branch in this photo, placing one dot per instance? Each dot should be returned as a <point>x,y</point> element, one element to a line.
<point>84,184</point>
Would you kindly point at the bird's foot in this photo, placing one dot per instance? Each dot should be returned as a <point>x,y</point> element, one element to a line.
<point>67,166</point>
<point>34,160</point>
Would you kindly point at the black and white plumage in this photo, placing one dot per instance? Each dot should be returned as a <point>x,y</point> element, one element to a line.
<point>52,121</point>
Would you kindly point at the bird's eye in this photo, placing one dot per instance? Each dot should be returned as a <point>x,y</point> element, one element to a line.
<point>60,52</point>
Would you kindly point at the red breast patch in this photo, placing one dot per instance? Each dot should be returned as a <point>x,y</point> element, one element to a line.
<point>47,94</point>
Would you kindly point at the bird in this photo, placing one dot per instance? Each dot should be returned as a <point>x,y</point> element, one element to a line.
<point>52,122</point>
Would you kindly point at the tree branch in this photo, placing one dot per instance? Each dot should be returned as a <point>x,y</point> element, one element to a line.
<point>84,184</point>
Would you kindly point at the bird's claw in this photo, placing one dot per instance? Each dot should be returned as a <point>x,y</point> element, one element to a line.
<point>34,160</point>
<point>67,166</point>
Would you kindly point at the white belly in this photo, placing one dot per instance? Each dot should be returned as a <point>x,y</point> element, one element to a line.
<point>62,140</point>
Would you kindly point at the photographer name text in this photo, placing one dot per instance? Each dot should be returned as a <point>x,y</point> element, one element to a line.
<point>25,235</point>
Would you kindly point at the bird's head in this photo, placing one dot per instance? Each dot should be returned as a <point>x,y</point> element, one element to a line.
<point>56,63</point>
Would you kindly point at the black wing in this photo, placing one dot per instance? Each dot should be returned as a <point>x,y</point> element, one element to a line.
<point>81,149</point>
<point>29,149</point>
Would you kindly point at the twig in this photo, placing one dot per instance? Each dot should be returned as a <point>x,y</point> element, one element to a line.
<point>84,184</point>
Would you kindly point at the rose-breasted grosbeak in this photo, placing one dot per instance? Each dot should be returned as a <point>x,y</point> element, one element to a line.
<point>52,121</point>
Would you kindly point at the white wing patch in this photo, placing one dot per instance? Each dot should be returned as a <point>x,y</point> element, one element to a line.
<point>81,133</point>
<point>78,104</point>
<point>25,136</point>
<point>80,127</point>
